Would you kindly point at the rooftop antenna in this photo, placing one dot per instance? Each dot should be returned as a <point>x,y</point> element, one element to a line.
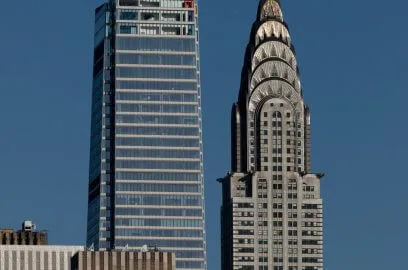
<point>91,247</point>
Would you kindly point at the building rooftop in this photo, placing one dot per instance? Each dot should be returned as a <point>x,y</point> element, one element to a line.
<point>27,235</point>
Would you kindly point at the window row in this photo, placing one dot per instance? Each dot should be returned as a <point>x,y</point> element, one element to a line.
<point>165,142</point>
<point>159,212</point>
<point>158,222</point>
<point>189,254</point>
<point>159,108</point>
<point>243,205</point>
<point>182,131</point>
<point>154,3</point>
<point>312,233</point>
<point>154,15</point>
<point>244,223</point>
<point>154,164</point>
<point>311,206</point>
<point>155,59</point>
<point>157,153</point>
<point>189,264</point>
<point>162,97</point>
<point>156,44</point>
<point>160,243</point>
<point>156,73</point>
<point>158,176</point>
<point>145,187</point>
<point>245,232</point>
<point>156,29</point>
<point>175,200</point>
<point>154,119</point>
<point>156,85</point>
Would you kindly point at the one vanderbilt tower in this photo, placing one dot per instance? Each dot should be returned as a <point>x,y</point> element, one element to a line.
<point>271,214</point>
<point>146,170</point>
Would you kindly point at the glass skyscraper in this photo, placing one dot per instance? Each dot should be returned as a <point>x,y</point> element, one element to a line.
<point>146,164</point>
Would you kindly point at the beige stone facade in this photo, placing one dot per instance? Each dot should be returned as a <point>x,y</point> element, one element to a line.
<point>121,260</point>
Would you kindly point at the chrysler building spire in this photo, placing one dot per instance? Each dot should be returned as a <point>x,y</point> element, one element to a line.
<point>271,210</point>
<point>270,9</point>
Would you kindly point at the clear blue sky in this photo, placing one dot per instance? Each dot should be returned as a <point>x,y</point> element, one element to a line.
<point>353,60</point>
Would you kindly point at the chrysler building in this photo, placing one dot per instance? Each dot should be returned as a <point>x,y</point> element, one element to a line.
<point>271,214</point>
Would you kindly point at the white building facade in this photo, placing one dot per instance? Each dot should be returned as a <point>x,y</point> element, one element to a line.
<point>37,257</point>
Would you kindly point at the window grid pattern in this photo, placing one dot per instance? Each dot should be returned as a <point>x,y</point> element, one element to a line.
<point>151,163</point>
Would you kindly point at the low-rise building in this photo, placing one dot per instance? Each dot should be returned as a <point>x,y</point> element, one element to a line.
<point>26,236</point>
<point>31,257</point>
<point>118,260</point>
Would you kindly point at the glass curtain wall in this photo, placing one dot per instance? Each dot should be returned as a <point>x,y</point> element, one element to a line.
<point>147,160</point>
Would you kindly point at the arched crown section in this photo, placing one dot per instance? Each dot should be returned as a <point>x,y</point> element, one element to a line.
<point>274,49</point>
<point>274,89</point>
<point>272,29</point>
<point>275,68</point>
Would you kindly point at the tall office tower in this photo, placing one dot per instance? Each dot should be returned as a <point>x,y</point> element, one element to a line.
<point>271,208</point>
<point>146,169</point>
